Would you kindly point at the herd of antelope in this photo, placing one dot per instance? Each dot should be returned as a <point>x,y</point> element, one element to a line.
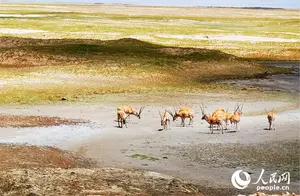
<point>219,118</point>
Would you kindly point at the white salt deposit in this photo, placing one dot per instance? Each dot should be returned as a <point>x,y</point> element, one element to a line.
<point>19,31</point>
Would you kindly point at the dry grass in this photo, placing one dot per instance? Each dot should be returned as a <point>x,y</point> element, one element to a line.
<point>88,50</point>
<point>110,22</point>
<point>36,70</point>
<point>20,156</point>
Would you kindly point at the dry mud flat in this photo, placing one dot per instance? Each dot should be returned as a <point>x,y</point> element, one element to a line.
<point>58,172</point>
<point>105,181</point>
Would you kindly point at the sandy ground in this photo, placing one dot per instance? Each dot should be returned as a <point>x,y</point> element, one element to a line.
<point>113,146</point>
<point>190,153</point>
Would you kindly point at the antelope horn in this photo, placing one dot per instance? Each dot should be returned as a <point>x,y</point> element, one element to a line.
<point>236,108</point>
<point>159,114</point>
<point>170,113</point>
<point>202,108</point>
<point>174,110</point>
<point>142,108</point>
<point>266,110</point>
<point>127,116</point>
<point>242,107</point>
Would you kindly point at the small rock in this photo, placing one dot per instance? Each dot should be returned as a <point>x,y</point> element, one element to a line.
<point>64,99</point>
<point>165,157</point>
<point>144,164</point>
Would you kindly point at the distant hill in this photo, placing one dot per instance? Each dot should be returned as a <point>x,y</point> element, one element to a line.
<point>263,8</point>
<point>254,7</point>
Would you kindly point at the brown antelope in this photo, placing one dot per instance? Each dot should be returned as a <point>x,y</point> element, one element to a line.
<point>223,114</point>
<point>219,110</point>
<point>121,117</point>
<point>165,120</point>
<point>131,111</point>
<point>212,120</point>
<point>183,113</point>
<point>227,118</point>
<point>271,118</point>
<point>235,118</point>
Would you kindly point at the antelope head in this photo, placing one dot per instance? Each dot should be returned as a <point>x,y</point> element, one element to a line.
<point>174,115</point>
<point>267,112</point>
<point>204,116</point>
<point>138,114</point>
<point>240,109</point>
<point>272,111</point>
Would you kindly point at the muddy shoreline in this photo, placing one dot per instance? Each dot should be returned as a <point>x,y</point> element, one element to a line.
<point>281,82</point>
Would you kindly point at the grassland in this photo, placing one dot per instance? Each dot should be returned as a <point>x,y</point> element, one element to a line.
<point>82,51</point>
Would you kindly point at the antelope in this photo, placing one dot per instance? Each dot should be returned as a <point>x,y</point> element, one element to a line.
<point>212,120</point>
<point>183,113</point>
<point>235,118</point>
<point>165,120</point>
<point>131,111</point>
<point>221,113</point>
<point>227,119</point>
<point>219,110</point>
<point>121,115</point>
<point>271,118</point>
